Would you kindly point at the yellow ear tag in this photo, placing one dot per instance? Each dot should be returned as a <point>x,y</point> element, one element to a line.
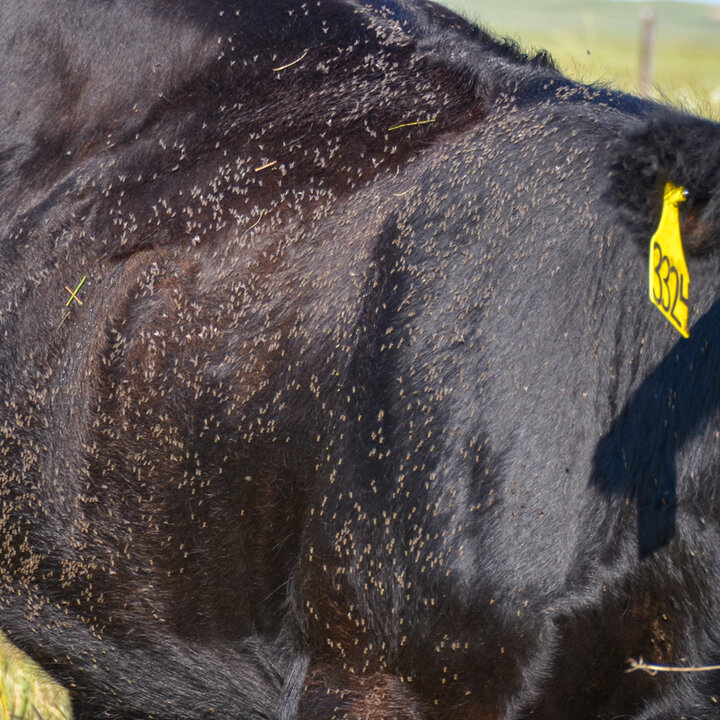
<point>669,277</point>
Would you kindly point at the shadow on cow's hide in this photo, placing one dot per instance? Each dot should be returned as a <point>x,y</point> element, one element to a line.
<point>638,459</point>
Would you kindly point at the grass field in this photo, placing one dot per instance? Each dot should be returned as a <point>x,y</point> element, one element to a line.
<point>592,40</point>
<point>599,40</point>
<point>26,692</point>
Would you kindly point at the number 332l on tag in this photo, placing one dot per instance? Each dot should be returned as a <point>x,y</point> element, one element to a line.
<point>668,273</point>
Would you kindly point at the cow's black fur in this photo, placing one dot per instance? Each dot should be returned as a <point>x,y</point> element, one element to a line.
<point>365,412</point>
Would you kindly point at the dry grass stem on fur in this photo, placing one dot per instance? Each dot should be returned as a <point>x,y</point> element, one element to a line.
<point>256,223</point>
<point>290,64</point>
<point>411,124</point>
<point>73,293</point>
<point>640,664</point>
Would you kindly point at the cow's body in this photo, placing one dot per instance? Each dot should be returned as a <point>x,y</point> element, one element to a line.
<point>365,412</point>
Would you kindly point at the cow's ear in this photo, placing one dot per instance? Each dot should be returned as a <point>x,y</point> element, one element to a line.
<point>670,148</point>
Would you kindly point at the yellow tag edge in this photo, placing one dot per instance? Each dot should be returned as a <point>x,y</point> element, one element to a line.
<point>668,276</point>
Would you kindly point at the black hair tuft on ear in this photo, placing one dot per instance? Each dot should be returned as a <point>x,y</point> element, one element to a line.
<point>677,148</point>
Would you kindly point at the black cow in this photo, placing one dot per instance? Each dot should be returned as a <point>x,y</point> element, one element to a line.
<point>330,383</point>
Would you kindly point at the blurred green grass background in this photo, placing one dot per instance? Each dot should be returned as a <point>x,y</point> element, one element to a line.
<point>599,41</point>
<point>592,41</point>
<point>26,692</point>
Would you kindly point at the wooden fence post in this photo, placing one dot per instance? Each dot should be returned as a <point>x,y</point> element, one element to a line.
<point>647,41</point>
